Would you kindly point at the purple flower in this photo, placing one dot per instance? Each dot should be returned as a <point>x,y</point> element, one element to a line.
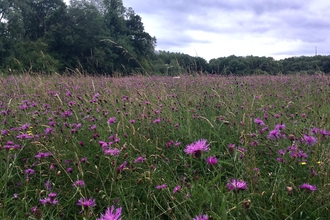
<point>176,189</point>
<point>42,155</point>
<point>236,185</point>
<point>280,127</point>
<point>259,121</point>
<point>163,186</point>
<point>48,130</point>
<point>86,203</point>
<point>212,160</point>
<point>48,185</point>
<point>308,187</point>
<point>122,166</point>
<point>197,147</point>
<point>139,159</point>
<point>111,215</point>
<point>112,151</point>
<point>50,200</point>
<point>309,140</point>
<point>274,134</point>
<point>29,171</point>
<point>201,217</point>
<point>78,183</point>
<point>156,121</point>
<point>112,120</point>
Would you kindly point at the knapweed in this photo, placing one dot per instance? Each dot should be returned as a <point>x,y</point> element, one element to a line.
<point>140,159</point>
<point>197,148</point>
<point>163,186</point>
<point>201,217</point>
<point>176,189</point>
<point>309,140</point>
<point>308,187</point>
<point>111,214</point>
<point>212,160</point>
<point>78,183</point>
<point>236,185</point>
<point>86,203</point>
<point>111,120</point>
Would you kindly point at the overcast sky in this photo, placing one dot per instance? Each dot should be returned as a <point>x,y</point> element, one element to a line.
<point>218,28</point>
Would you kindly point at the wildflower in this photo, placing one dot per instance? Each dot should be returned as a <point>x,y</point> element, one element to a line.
<point>280,127</point>
<point>29,171</point>
<point>212,160</point>
<point>112,151</point>
<point>48,185</point>
<point>309,140</point>
<point>50,200</point>
<point>231,148</point>
<point>121,167</point>
<point>163,186</point>
<point>274,134</point>
<point>86,203</point>
<point>156,121</point>
<point>259,121</point>
<point>48,130</point>
<point>176,189</point>
<point>236,185</point>
<point>308,187</point>
<point>111,215</point>
<point>139,159</point>
<point>281,152</point>
<point>78,183</point>
<point>201,217</point>
<point>42,155</point>
<point>197,147</point>
<point>112,120</point>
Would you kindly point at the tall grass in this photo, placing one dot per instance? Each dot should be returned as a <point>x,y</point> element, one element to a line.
<point>121,142</point>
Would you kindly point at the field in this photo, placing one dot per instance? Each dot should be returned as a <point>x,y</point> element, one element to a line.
<point>193,147</point>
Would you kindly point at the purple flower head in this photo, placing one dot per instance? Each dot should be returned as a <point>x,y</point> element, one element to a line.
<point>201,217</point>
<point>139,159</point>
<point>274,134</point>
<point>259,121</point>
<point>78,183</point>
<point>308,187</point>
<point>197,147</point>
<point>163,186</point>
<point>156,121</point>
<point>86,203</point>
<point>122,166</point>
<point>42,155</point>
<point>29,171</point>
<point>112,151</point>
<point>236,185</point>
<point>280,127</point>
<point>48,185</point>
<point>112,120</point>
<point>176,189</point>
<point>309,140</point>
<point>48,130</point>
<point>111,214</point>
<point>50,200</point>
<point>212,160</point>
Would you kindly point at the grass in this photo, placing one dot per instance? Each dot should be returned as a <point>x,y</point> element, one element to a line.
<point>124,141</point>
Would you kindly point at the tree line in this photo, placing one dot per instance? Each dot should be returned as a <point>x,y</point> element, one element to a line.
<point>104,37</point>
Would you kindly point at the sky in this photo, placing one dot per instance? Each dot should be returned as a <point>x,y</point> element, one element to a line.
<point>220,28</point>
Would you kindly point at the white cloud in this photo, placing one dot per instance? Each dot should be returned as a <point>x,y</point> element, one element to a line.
<point>215,29</point>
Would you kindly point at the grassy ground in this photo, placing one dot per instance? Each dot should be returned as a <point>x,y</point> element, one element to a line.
<point>252,147</point>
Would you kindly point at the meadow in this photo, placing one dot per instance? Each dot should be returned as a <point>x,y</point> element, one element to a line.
<point>191,147</point>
